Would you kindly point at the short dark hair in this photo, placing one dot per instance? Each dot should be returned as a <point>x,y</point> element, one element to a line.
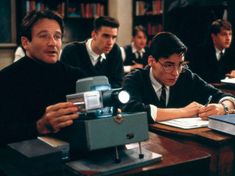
<point>219,24</point>
<point>164,44</point>
<point>105,21</point>
<point>34,16</point>
<point>137,29</point>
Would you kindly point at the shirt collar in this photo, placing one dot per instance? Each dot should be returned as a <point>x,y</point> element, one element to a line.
<point>219,51</point>
<point>134,50</point>
<point>156,85</point>
<point>94,57</point>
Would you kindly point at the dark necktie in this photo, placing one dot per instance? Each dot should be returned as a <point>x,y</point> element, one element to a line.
<point>163,97</point>
<point>221,55</point>
<point>98,65</point>
<point>138,55</point>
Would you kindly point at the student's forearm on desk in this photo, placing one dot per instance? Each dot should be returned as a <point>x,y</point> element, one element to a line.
<point>173,113</point>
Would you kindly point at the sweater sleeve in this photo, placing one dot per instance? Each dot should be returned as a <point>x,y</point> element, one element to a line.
<point>132,84</point>
<point>116,70</point>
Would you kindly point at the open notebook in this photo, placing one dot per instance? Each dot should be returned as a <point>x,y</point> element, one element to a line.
<point>186,123</point>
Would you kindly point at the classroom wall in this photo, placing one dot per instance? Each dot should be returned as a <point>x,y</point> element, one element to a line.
<point>6,57</point>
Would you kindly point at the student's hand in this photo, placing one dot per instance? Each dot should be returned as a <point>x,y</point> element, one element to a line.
<point>231,74</point>
<point>57,117</point>
<point>136,65</point>
<point>192,109</point>
<point>211,109</point>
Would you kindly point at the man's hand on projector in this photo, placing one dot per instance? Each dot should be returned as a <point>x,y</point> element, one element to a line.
<point>57,117</point>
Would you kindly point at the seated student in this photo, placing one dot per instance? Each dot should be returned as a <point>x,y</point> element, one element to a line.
<point>33,89</point>
<point>136,54</point>
<point>167,89</point>
<point>99,55</point>
<point>214,60</point>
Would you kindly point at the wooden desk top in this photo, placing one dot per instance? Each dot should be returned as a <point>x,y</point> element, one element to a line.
<point>176,156</point>
<point>228,88</point>
<point>205,134</point>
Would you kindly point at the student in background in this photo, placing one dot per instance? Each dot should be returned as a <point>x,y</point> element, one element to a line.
<point>167,89</point>
<point>33,90</point>
<point>135,55</point>
<point>99,55</point>
<point>214,60</point>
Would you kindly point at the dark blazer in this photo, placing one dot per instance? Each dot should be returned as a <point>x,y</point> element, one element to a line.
<point>203,61</point>
<point>188,88</point>
<point>75,54</point>
<point>27,87</point>
<point>130,56</point>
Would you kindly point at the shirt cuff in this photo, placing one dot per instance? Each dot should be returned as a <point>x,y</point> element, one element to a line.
<point>153,112</point>
<point>229,99</point>
<point>127,69</point>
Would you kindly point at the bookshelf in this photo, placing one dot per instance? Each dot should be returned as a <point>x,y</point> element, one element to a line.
<point>149,13</point>
<point>78,15</point>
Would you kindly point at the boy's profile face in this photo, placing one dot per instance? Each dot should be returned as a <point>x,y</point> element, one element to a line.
<point>104,39</point>
<point>223,39</point>
<point>46,41</point>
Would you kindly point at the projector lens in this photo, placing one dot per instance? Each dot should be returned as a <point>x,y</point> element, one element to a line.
<point>123,97</point>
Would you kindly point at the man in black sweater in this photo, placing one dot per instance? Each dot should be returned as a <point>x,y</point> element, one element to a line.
<point>33,89</point>
<point>99,55</point>
<point>167,89</point>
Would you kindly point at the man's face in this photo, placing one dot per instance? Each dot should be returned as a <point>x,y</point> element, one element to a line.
<point>46,41</point>
<point>167,70</point>
<point>104,39</point>
<point>223,39</point>
<point>140,40</point>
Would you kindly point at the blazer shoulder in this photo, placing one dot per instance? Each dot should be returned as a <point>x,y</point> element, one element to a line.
<point>74,46</point>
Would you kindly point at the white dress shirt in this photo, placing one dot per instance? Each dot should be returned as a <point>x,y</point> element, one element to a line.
<point>93,56</point>
<point>127,68</point>
<point>157,87</point>
<point>218,53</point>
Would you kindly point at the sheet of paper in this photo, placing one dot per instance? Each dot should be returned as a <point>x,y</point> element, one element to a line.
<point>228,80</point>
<point>186,123</point>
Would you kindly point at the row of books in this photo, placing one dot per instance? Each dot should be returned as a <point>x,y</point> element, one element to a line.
<point>149,8</point>
<point>85,10</point>
<point>38,5</point>
<point>74,8</point>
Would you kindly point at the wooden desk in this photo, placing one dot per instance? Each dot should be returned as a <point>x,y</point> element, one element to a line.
<point>178,160</point>
<point>220,146</point>
<point>225,87</point>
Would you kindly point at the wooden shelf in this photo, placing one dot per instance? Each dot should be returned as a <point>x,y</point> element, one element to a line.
<point>149,13</point>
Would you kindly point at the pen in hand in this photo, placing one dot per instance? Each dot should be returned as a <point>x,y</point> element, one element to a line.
<point>209,100</point>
